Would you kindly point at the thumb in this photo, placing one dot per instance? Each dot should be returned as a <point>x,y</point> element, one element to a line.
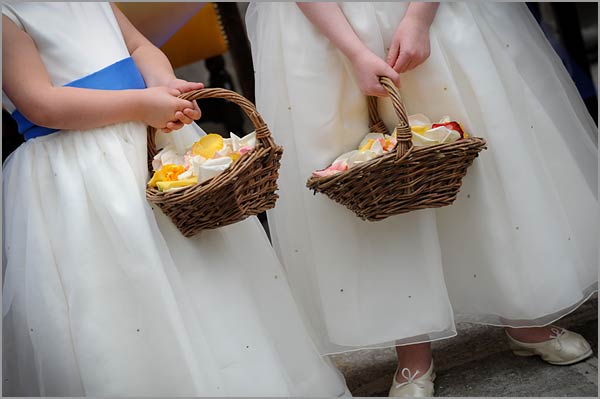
<point>189,86</point>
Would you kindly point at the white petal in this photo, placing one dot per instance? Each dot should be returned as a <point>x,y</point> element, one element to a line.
<point>248,140</point>
<point>186,175</point>
<point>438,134</point>
<point>452,136</point>
<point>360,157</point>
<point>344,157</point>
<point>377,148</point>
<point>418,120</point>
<point>212,167</point>
<point>422,141</point>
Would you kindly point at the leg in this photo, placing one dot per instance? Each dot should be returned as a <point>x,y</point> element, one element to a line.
<point>414,376</point>
<point>531,334</point>
<point>413,357</point>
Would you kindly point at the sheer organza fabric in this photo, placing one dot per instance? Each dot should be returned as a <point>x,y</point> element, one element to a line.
<point>518,247</point>
<point>102,295</point>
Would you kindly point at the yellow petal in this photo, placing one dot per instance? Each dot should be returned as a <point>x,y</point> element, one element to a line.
<point>208,145</point>
<point>419,129</point>
<point>155,178</point>
<point>234,156</point>
<point>166,185</point>
<point>367,146</point>
<point>465,135</point>
<point>168,172</point>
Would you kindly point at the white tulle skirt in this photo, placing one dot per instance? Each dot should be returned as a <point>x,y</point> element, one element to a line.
<point>103,299</point>
<point>519,246</point>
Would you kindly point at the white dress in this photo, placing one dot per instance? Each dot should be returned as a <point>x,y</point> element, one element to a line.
<point>104,298</point>
<point>519,246</point>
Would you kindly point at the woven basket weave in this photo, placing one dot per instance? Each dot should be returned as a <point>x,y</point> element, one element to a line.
<point>404,180</point>
<point>246,188</point>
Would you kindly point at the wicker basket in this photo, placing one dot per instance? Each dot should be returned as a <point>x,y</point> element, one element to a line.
<point>246,188</point>
<point>404,180</point>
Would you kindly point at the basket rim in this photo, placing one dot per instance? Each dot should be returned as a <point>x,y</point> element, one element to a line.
<point>315,180</point>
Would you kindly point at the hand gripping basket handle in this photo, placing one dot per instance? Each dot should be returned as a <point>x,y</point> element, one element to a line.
<point>403,132</point>
<point>263,134</point>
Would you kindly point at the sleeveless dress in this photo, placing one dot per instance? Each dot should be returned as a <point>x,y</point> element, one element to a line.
<point>104,297</point>
<point>518,247</point>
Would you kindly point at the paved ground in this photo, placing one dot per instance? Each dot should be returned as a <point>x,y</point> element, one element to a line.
<point>478,363</point>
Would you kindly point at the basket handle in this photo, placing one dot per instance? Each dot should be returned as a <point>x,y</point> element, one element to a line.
<point>263,135</point>
<point>404,135</point>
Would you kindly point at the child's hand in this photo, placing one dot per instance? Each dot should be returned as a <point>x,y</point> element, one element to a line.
<point>188,115</point>
<point>184,86</point>
<point>410,45</point>
<point>160,106</point>
<point>368,67</point>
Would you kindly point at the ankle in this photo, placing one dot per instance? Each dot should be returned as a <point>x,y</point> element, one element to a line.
<point>532,334</point>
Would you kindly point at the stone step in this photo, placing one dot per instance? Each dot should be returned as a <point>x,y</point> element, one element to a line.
<point>478,362</point>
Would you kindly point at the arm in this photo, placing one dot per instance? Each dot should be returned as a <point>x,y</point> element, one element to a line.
<point>152,63</point>
<point>26,82</point>
<point>410,45</point>
<point>330,20</point>
<point>156,68</point>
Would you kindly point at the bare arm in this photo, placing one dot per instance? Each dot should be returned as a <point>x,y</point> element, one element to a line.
<point>410,44</point>
<point>26,82</point>
<point>152,63</point>
<point>331,21</point>
<point>424,12</point>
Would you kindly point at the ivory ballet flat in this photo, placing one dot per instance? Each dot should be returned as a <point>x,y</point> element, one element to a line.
<point>563,348</point>
<point>413,387</point>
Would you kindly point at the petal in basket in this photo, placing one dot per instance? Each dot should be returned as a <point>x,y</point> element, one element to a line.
<point>424,133</point>
<point>216,181</point>
<point>206,158</point>
<point>420,165</point>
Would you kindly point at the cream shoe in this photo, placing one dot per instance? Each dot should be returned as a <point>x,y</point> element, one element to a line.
<point>565,347</point>
<point>413,387</point>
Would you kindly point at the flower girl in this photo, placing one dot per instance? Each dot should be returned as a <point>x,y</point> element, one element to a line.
<point>102,296</point>
<point>519,246</point>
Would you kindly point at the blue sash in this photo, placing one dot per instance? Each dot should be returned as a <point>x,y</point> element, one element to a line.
<point>121,75</point>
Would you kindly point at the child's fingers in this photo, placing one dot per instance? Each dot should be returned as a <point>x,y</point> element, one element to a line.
<point>393,53</point>
<point>183,118</point>
<point>172,125</point>
<point>402,62</point>
<point>183,104</point>
<point>194,114</point>
<point>185,86</point>
<point>375,89</point>
<point>410,66</point>
<point>392,74</point>
<point>379,92</point>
